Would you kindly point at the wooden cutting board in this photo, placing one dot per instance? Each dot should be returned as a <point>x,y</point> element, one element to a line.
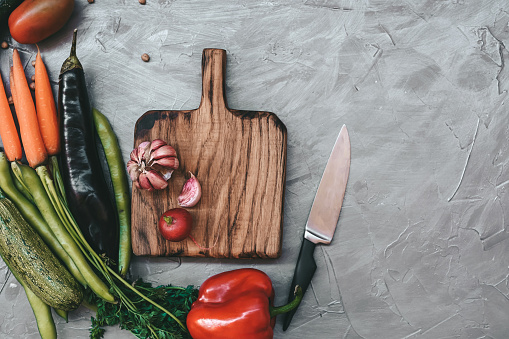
<point>239,157</point>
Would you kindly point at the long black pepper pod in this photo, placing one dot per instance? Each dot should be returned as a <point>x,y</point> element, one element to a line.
<point>87,193</point>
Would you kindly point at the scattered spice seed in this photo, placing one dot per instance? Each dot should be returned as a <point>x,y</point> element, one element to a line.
<point>33,63</point>
<point>142,2</point>
<point>33,77</point>
<point>90,1</point>
<point>11,102</point>
<point>145,57</point>
<point>5,44</point>
<point>32,86</point>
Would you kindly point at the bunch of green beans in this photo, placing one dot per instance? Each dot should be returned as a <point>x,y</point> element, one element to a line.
<point>107,272</point>
<point>54,217</point>
<point>34,217</point>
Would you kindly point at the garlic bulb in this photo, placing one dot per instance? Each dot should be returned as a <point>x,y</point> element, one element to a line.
<point>191,192</point>
<point>152,164</point>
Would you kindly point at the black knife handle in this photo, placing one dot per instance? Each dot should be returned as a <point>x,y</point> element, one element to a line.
<point>304,270</point>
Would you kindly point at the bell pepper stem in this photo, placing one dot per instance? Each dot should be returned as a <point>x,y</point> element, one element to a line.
<point>274,311</point>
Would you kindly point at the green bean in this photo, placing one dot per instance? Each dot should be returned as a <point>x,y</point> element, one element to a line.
<point>46,207</point>
<point>42,312</point>
<point>43,316</point>
<point>55,173</point>
<point>63,314</point>
<point>22,189</point>
<point>120,187</point>
<point>34,218</point>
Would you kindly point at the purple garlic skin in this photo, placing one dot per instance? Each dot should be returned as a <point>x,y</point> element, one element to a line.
<point>152,164</point>
<point>191,192</point>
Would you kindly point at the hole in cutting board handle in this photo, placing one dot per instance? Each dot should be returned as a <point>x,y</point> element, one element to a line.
<point>213,65</point>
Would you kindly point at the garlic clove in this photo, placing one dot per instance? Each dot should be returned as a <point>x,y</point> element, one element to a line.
<point>145,153</point>
<point>191,192</point>
<point>156,144</point>
<point>144,144</point>
<point>134,155</point>
<point>132,169</point>
<point>170,162</point>
<point>144,182</point>
<point>142,148</point>
<point>162,152</point>
<point>156,180</point>
<point>166,172</point>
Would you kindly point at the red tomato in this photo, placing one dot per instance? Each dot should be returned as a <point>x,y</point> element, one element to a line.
<point>175,224</point>
<point>35,20</point>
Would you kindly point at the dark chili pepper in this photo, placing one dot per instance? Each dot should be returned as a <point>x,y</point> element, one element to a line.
<point>87,193</point>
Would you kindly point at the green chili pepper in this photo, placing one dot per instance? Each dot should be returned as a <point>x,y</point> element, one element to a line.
<point>120,187</point>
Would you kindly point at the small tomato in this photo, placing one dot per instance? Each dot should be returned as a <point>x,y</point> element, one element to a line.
<point>35,20</point>
<point>175,224</point>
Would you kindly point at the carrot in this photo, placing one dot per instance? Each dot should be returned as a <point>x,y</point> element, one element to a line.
<point>35,151</point>
<point>13,89</point>
<point>8,131</point>
<point>46,108</point>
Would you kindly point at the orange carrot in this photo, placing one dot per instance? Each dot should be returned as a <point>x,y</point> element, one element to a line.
<point>13,89</point>
<point>8,131</point>
<point>35,151</point>
<point>46,109</point>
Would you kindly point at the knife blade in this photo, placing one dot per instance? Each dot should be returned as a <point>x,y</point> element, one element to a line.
<point>323,216</point>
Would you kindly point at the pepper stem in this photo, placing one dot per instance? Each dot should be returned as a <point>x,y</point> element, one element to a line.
<point>274,311</point>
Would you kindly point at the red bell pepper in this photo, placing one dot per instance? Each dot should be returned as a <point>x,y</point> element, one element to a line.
<point>236,304</point>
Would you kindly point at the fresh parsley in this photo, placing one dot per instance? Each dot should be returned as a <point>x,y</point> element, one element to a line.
<point>145,320</point>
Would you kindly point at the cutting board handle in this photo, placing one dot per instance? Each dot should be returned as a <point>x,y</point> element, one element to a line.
<point>213,64</point>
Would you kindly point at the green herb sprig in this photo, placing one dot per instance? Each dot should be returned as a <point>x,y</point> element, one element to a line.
<point>148,321</point>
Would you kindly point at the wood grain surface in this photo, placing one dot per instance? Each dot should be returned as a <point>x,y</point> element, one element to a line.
<point>239,157</point>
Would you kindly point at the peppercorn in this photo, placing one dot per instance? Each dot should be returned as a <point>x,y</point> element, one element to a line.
<point>145,57</point>
<point>90,1</point>
<point>10,100</point>
<point>5,44</point>
<point>33,63</point>
<point>142,2</point>
<point>33,77</point>
<point>32,86</point>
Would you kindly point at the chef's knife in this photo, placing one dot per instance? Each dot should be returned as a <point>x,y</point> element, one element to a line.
<point>323,216</point>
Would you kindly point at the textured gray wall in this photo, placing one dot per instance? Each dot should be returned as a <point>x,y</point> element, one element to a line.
<point>422,242</point>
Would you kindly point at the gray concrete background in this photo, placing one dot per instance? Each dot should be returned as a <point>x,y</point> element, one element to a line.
<point>422,242</point>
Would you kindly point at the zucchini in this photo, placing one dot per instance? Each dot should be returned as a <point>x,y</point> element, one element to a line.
<point>6,7</point>
<point>42,312</point>
<point>33,262</point>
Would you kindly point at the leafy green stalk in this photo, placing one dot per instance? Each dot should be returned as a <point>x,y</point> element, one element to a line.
<point>55,173</point>
<point>129,296</point>
<point>177,299</point>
